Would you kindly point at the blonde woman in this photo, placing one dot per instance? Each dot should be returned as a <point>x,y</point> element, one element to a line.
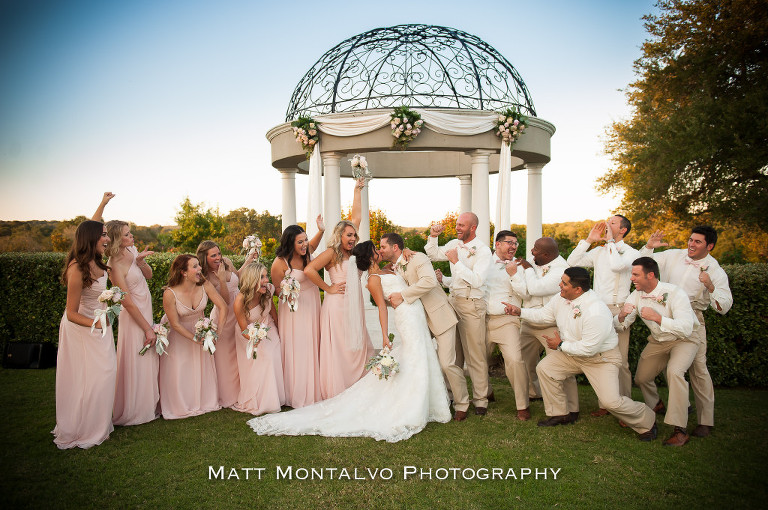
<point>345,346</point>
<point>136,394</point>
<point>261,379</point>
<point>220,271</point>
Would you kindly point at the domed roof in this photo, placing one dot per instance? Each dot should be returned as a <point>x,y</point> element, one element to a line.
<point>422,66</point>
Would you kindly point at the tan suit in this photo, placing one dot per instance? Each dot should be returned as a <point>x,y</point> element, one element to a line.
<point>441,319</point>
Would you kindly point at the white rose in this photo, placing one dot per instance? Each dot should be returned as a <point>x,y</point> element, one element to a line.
<point>502,118</point>
<point>386,361</point>
<point>355,161</point>
<point>363,162</point>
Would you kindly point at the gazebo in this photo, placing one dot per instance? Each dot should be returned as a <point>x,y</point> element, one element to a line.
<point>455,81</point>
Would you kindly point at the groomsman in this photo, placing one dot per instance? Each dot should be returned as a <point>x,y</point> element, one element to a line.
<point>613,266</point>
<point>469,261</point>
<point>502,329</point>
<point>585,342</point>
<point>536,283</point>
<point>441,319</point>
<point>696,272</point>
<point>665,309</point>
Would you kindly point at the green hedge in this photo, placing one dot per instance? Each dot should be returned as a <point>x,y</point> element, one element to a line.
<point>32,302</point>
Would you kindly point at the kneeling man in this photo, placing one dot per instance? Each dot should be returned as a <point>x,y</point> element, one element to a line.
<point>585,342</point>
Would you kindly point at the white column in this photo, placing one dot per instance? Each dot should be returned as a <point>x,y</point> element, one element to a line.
<point>480,204</point>
<point>289,196</point>
<point>332,191</point>
<point>465,203</point>
<point>533,222</point>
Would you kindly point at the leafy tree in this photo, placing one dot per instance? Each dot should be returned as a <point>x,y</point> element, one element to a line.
<point>243,222</point>
<point>379,223</point>
<point>696,145</point>
<point>195,225</point>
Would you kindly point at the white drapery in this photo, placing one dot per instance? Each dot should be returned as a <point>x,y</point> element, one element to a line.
<point>315,195</point>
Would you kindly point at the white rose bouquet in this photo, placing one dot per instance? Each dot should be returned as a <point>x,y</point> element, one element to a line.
<point>205,332</point>
<point>252,244</point>
<point>290,288</point>
<point>510,124</point>
<point>112,297</point>
<point>360,167</point>
<point>383,365</point>
<point>256,333</point>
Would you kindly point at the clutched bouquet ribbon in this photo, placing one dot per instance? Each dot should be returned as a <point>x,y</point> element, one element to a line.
<point>208,344</point>
<point>100,316</point>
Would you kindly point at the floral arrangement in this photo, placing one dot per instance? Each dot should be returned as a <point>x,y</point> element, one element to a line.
<point>252,244</point>
<point>112,297</point>
<point>161,344</point>
<point>406,126</point>
<point>576,311</point>
<point>360,167</point>
<point>289,291</point>
<point>305,129</point>
<point>205,332</point>
<point>256,333</point>
<point>510,124</point>
<point>383,365</point>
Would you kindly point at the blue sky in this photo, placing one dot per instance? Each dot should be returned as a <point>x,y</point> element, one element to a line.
<point>156,101</point>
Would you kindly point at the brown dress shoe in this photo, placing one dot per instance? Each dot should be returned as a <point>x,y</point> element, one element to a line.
<point>460,416</point>
<point>600,412</point>
<point>554,421</point>
<point>524,414</point>
<point>678,438</point>
<point>649,435</point>
<point>491,397</point>
<point>659,407</point>
<point>481,411</point>
<point>702,430</point>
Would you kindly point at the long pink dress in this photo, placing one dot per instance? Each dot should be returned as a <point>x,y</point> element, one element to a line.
<point>85,377</point>
<point>137,395</point>
<point>300,337</point>
<point>261,388</point>
<point>187,373</point>
<point>340,367</point>
<point>225,356</point>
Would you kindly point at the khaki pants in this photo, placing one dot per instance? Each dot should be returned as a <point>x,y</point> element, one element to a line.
<point>452,372</point>
<point>677,357</point>
<point>504,331</point>
<point>471,332</point>
<point>625,376</point>
<point>701,381</point>
<point>602,370</point>
<point>532,341</point>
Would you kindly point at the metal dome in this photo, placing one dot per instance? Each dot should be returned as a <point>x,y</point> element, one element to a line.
<point>422,66</point>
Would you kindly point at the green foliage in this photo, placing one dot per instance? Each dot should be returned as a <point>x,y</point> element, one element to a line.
<point>197,225</point>
<point>244,222</point>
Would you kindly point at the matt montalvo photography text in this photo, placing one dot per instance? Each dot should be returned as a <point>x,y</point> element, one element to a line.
<point>404,473</point>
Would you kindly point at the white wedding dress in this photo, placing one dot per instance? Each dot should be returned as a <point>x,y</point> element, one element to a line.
<point>389,410</point>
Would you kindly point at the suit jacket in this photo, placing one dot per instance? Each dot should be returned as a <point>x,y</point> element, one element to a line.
<point>422,284</point>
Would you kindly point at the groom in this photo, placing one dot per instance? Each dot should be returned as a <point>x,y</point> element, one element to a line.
<point>441,319</point>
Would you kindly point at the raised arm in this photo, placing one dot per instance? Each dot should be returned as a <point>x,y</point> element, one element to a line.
<point>99,214</point>
<point>355,216</point>
<point>250,258</point>
<point>315,241</point>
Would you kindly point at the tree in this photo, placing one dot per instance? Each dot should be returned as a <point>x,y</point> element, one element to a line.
<point>379,223</point>
<point>696,145</point>
<point>244,222</point>
<point>196,225</point>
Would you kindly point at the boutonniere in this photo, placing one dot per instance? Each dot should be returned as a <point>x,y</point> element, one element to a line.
<point>403,266</point>
<point>576,311</point>
<point>544,270</point>
<point>662,300</point>
<point>703,269</point>
<point>470,250</point>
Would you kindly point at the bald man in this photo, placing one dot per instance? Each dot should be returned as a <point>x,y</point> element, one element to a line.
<point>470,259</point>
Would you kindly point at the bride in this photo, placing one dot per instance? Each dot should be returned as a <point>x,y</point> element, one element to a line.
<point>390,410</point>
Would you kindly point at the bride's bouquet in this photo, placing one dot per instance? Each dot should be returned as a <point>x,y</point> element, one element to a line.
<point>205,331</point>
<point>383,365</point>
<point>252,244</point>
<point>161,344</point>
<point>256,333</point>
<point>112,297</point>
<point>360,167</point>
<point>289,291</point>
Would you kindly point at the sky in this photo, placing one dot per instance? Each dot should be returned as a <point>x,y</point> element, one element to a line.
<point>158,101</point>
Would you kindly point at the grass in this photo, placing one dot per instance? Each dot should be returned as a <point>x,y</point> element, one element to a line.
<point>165,464</point>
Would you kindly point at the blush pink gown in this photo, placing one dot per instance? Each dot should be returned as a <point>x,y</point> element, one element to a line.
<point>85,377</point>
<point>137,395</point>
<point>187,373</point>
<point>261,388</point>
<point>300,337</point>
<point>340,367</point>
<point>227,373</point>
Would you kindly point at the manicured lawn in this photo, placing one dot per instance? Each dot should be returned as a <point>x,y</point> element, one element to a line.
<point>165,464</point>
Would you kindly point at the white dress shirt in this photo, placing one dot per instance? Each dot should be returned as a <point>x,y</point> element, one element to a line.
<point>613,267</point>
<point>469,272</point>
<point>585,324</point>
<point>677,317</point>
<point>498,288</point>
<point>537,284</point>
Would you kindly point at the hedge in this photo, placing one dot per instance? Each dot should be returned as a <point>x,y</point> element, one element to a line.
<point>32,301</point>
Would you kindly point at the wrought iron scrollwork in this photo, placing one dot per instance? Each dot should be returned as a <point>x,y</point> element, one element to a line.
<point>421,66</point>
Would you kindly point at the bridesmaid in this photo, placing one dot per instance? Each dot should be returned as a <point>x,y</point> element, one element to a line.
<point>136,395</point>
<point>218,269</point>
<point>300,329</point>
<point>345,346</point>
<point>261,379</point>
<point>187,373</point>
<point>85,366</point>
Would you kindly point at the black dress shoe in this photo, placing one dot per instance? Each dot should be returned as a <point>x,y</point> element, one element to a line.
<point>491,397</point>
<point>702,430</point>
<point>536,399</point>
<point>649,435</point>
<point>554,421</point>
<point>573,416</point>
<point>481,411</point>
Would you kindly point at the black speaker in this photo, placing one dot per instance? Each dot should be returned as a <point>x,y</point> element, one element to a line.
<point>29,355</point>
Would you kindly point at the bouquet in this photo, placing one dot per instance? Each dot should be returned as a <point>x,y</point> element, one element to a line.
<point>383,365</point>
<point>360,167</point>
<point>510,125</point>
<point>406,126</point>
<point>252,244</point>
<point>289,291</point>
<point>305,129</point>
<point>256,333</point>
<point>205,331</point>
<point>161,344</point>
<point>112,297</point>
